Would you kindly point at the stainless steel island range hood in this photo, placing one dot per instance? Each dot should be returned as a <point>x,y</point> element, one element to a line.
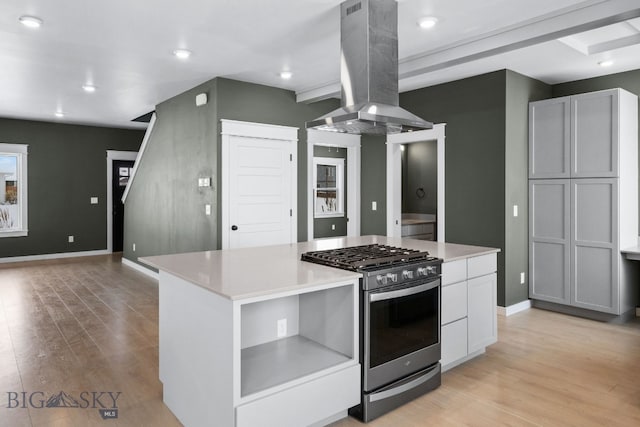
<point>369,73</point>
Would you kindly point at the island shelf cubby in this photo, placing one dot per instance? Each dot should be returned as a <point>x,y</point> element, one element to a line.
<point>320,334</point>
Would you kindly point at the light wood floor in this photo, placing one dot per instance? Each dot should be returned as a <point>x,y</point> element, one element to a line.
<point>91,324</point>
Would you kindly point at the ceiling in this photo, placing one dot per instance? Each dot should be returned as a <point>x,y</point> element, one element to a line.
<point>125,48</point>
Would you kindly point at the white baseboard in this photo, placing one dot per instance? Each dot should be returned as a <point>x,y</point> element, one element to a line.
<point>140,268</point>
<point>515,308</point>
<point>53,256</point>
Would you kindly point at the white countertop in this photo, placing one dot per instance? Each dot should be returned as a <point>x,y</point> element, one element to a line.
<point>632,253</point>
<point>261,271</point>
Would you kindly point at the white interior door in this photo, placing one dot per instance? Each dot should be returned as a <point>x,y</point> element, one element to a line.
<point>260,192</point>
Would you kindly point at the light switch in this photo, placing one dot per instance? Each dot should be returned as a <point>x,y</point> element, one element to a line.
<point>374,206</point>
<point>70,239</point>
<point>207,209</point>
<point>333,226</point>
<point>515,210</point>
<point>94,200</point>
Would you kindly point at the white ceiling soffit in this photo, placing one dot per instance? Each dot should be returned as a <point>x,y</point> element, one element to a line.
<point>573,25</point>
<point>605,39</point>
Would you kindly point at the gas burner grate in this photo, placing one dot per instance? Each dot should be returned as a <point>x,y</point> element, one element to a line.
<point>362,257</point>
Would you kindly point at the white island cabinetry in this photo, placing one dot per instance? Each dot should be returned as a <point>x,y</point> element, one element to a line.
<point>257,337</point>
<point>469,322</point>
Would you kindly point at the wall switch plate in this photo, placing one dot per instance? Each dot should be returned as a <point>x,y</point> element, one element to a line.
<point>134,247</point>
<point>522,278</point>
<point>333,226</point>
<point>515,210</point>
<point>207,209</point>
<point>374,206</point>
<point>206,182</point>
<point>70,239</point>
<point>282,328</point>
<point>94,200</point>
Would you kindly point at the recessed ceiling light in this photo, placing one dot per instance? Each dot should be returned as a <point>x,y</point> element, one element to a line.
<point>286,75</point>
<point>428,22</point>
<point>606,63</point>
<point>89,88</point>
<point>30,21</point>
<point>182,53</point>
<point>59,114</point>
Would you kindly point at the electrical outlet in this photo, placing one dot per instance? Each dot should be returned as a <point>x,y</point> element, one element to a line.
<point>282,328</point>
<point>94,200</point>
<point>374,206</point>
<point>207,209</point>
<point>333,226</point>
<point>515,210</point>
<point>134,247</point>
<point>522,278</point>
<point>70,239</point>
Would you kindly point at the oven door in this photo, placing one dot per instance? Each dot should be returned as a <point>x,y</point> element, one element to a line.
<point>401,331</point>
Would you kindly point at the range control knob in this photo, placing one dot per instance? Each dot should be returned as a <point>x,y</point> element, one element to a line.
<point>393,277</point>
<point>381,279</point>
<point>407,274</point>
<point>422,271</point>
<point>432,269</point>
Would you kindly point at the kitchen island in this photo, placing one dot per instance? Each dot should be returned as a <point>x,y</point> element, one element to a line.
<point>255,336</point>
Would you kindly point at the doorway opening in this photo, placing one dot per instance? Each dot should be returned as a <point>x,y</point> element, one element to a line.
<point>333,184</point>
<point>415,184</point>
<point>119,168</point>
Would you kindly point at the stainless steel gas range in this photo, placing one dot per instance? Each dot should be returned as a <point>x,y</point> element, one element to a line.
<point>399,322</point>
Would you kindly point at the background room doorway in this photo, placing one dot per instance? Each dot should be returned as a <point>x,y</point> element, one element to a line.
<point>395,185</point>
<point>119,168</point>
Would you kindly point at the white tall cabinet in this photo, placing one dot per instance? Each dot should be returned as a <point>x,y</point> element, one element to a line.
<point>583,199</point>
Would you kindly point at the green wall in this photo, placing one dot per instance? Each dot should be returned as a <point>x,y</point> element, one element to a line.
<point>322,226</point>
<point>474,112</point>
<point>67,165</point>
<point>520,90</point>
<point>264,104</point>
<point>165,208</point>
<point>373,184</point>
<point>420,170</point>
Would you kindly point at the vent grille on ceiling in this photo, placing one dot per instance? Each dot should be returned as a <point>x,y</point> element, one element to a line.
<point>356,7</point>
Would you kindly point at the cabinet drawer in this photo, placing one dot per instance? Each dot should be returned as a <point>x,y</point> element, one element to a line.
<point>304,404</point>
<point>454,342</point>
<point>481,265</point>
<point>454,302</point>
<point>454,271</point>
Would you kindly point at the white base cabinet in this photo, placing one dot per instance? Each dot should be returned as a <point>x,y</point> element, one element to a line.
<point>469,308</point>
<point>289,359</point>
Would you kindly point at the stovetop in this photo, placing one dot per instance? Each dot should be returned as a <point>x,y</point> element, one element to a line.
<point>368,257</point>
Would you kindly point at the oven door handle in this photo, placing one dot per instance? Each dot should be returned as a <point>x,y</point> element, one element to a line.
<point>381,296</point>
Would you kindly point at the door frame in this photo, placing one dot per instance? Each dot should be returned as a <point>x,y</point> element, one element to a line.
<point>352,144</point>
<point>111,156</point>
<point>394,176</point>
<point>230,128</point>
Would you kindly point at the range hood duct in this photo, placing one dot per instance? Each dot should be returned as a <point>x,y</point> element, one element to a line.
<point>369,73</point>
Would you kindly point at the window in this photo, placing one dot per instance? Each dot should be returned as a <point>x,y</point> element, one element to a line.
<point>13,190</point>
<point>329,187</point>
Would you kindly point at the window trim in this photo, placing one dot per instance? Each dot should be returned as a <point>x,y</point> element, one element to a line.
<point>21,151</point>
<point>339,164</point>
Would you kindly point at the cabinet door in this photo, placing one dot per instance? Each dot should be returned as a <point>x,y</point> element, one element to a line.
<point>594,244</point>
<point>482,323</point>
<point>549,135</point>
<point>454,342</point>
<point>549,240</point>
<point>594,136</point>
